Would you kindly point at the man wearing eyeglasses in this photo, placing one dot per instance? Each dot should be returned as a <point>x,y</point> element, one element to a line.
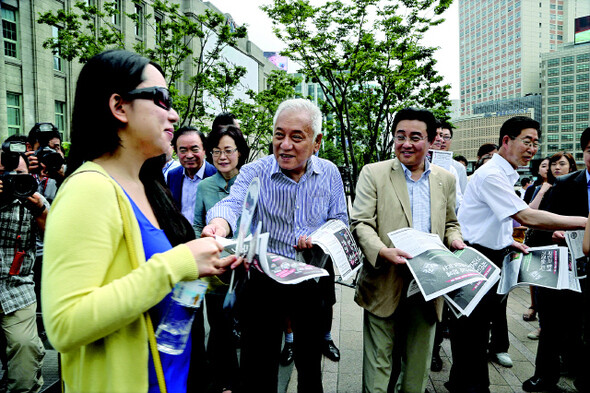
<point>183,181</point>
<point>407,191</point>
<point>486,217</point>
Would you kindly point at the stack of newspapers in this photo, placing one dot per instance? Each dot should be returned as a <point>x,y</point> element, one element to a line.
<point>463,277</point>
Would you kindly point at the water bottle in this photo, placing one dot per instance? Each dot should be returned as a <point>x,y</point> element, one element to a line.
<point>174,329</point>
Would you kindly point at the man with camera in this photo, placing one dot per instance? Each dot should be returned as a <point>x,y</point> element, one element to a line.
<point>23,212</point>
<point>46,158</point>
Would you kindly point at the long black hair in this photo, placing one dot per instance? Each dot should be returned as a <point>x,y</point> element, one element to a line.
<point>95,131</point>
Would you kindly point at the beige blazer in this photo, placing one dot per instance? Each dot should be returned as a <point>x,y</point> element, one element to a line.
<point>382,205</point>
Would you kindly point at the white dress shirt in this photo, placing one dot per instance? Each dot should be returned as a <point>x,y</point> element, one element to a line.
<point>488,204</point>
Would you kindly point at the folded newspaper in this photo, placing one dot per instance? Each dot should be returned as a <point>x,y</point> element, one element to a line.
<point>579,260</point>
<point>546,266</point>
<point>437,270</point>
<point>336,241</point>
<point>281,269</point>
<point>464,299</point>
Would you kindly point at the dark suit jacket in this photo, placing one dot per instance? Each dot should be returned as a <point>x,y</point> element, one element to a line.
<point>175,179</point>
<point>567,197</point>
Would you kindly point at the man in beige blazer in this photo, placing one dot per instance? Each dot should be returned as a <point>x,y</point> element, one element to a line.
<point>403,192</point>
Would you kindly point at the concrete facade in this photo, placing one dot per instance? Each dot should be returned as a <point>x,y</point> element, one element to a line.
<point>35,86</point>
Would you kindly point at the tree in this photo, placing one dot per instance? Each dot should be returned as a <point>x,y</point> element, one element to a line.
<point>367,58</point>
<point>180,39</point>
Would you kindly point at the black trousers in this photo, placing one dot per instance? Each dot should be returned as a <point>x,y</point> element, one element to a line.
<point>562,314</point>
<point>470,336</point>
<point>263,308</point>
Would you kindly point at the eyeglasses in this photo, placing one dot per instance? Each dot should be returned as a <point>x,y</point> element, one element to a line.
<point>445,137</point>
<point>227,152</point>
<point>412,138</point>
<point>160,96</point>
<point>528,143</point>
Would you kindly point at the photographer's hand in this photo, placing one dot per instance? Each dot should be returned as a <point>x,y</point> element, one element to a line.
<point>33,161</point>
<point>0,186</point>
<point>36,205</point>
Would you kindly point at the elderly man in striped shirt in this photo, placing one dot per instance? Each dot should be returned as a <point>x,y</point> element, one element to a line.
<point>299,193</point>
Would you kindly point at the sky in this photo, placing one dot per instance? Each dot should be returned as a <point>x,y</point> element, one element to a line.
<point>445,36</point>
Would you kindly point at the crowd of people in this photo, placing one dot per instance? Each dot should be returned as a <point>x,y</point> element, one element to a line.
<point>130,222</point>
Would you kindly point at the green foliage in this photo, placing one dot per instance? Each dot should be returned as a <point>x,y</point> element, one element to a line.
<point>198,39</point>
<point>367,58</point>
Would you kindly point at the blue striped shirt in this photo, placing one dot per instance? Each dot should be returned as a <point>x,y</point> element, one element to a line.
<point>287,209</point>
<point>419,192</point>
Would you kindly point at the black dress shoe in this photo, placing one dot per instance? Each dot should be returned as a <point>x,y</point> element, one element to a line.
<point>287,354</point>
<point>538,384</point>
<point>330,351</point>
<point>436,363</point>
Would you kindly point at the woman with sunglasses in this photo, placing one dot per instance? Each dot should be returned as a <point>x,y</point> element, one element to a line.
<point>115,245</point>
<point>228,150</point>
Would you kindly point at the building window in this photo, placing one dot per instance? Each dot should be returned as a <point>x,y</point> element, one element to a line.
<point>553,72</point>
<point>57,61</point>
<point>553,109</point>
<point>581,117</point>
<point>583,57</point>
<point>567,69</point>
<point>553,138</point>
<point>567,99</point>
<point>553,100</point>
<point>567,89</point>
<point>10,32</point>
<point>138,20</point>
<point>567,60</point>
<point>583,107</point>
<point>567,108</point>
<point>553,81</point>
<point>567,79</point>
<point>60,116</point>
<point>567,146</point>
<point>116,18</point>
<point>552,119</point>
<point>565,138</point>
<point>567,118</point>
<point>14,113</point>
<point>583,87</point>
<point>553,91</point>
<point>582,77</point>
<point>552,62</point>
<point>582,97</point>
<point>580,127</point>
<point>582,67</point>
<point>567,127</point>
<point>553,128</point>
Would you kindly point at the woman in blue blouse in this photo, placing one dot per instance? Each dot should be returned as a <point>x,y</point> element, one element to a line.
<point>229,151</point>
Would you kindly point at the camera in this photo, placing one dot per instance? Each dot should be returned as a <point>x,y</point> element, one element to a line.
<point>15,185</point>
<point>52,160</point>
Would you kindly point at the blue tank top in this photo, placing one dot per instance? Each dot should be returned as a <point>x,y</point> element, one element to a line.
<point>175,367</point>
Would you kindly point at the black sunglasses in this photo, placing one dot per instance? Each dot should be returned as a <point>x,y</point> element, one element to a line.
<point>160,96</point>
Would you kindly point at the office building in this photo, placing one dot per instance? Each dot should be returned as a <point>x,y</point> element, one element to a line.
<point>501,42</point>
<point>39,86</point>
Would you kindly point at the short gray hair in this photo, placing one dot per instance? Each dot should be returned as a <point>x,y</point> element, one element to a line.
<point>300,104</point>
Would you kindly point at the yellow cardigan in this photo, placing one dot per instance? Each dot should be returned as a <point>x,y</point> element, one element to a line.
<point>96,284</point>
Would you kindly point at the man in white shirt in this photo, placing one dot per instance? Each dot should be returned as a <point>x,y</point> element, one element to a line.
<point>489,206</point>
